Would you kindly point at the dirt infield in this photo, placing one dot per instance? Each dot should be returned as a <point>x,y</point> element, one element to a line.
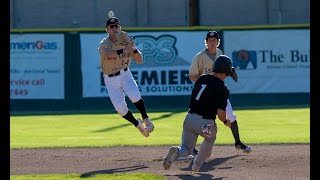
<point>264,162</point>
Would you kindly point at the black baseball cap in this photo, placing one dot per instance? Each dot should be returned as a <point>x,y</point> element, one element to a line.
<point>212,34</point>
<point>112,20</point>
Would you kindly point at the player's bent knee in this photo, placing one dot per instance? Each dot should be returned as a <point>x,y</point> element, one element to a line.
<point>135,99</point>
<point>231,117</point>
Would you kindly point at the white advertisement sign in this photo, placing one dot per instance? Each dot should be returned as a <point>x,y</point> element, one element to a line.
<point>269,61</point>
<point>36,66</point>
<point>167,57</point>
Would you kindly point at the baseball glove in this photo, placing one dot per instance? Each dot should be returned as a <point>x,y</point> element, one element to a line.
<point>234,74</point>
<point>123,39</point>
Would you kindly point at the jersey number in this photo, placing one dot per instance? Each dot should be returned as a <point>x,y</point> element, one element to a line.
<point>203,86</point>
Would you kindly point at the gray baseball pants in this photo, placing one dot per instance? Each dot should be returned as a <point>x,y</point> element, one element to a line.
<point>191,130</point>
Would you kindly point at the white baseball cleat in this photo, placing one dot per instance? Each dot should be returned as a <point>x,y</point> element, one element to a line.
<point>170,158</point>
<point>142,129</point>
<point>149,125</point>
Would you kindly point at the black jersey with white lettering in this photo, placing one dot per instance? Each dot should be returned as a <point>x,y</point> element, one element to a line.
<point>208,94</point>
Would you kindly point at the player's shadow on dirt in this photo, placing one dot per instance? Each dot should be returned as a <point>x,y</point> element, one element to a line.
<point>206,167</point>
<point>209,166</point>
<point>111,171</point>
<point>129,124</point>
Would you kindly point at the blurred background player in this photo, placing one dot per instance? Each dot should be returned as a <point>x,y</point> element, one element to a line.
<point>202,63</point>
<point>115,59</point>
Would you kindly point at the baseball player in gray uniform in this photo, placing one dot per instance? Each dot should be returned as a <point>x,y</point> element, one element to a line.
<point>119,81</point>
<point>202,64</point>
<point>208,99</point>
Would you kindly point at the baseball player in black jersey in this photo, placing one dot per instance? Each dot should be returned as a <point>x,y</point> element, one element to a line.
<point>202,63</point>
<point>208,99</point>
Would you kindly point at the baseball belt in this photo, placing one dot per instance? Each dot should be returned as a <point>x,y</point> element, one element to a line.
<point>117,73</point>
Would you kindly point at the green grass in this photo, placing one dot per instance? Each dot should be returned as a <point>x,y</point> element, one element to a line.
<point>268,126</point>
<point>257,126</point>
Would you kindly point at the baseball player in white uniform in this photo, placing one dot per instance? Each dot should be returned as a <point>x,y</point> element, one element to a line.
<point>202,63</point>
<point>119,81</point>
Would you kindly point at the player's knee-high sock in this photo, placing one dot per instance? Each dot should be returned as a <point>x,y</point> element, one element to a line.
<point>142,108</point>
<point>130,118</point>
<point>235,131</point>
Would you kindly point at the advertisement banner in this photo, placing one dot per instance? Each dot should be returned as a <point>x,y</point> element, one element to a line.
<point>167,57</point>
<point>36,66</point>
<point>269,61</point>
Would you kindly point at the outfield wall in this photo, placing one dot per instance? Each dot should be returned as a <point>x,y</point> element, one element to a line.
<point>164,13</point>
<point>60,69</point>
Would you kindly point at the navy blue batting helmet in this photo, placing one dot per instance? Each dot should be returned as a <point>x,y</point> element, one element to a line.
<point>223,64</point>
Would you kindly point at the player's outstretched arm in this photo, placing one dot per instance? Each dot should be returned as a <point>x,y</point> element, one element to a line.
<point>111,54</point>
<point>223,117</point>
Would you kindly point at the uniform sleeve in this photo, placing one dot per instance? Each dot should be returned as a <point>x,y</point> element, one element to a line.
<point>195,66</point>
<point>100,49</point>
<point>102,45</point>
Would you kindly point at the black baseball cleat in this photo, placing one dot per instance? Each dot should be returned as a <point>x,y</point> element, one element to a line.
<point>195,152</point>
<point>243,147</point>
